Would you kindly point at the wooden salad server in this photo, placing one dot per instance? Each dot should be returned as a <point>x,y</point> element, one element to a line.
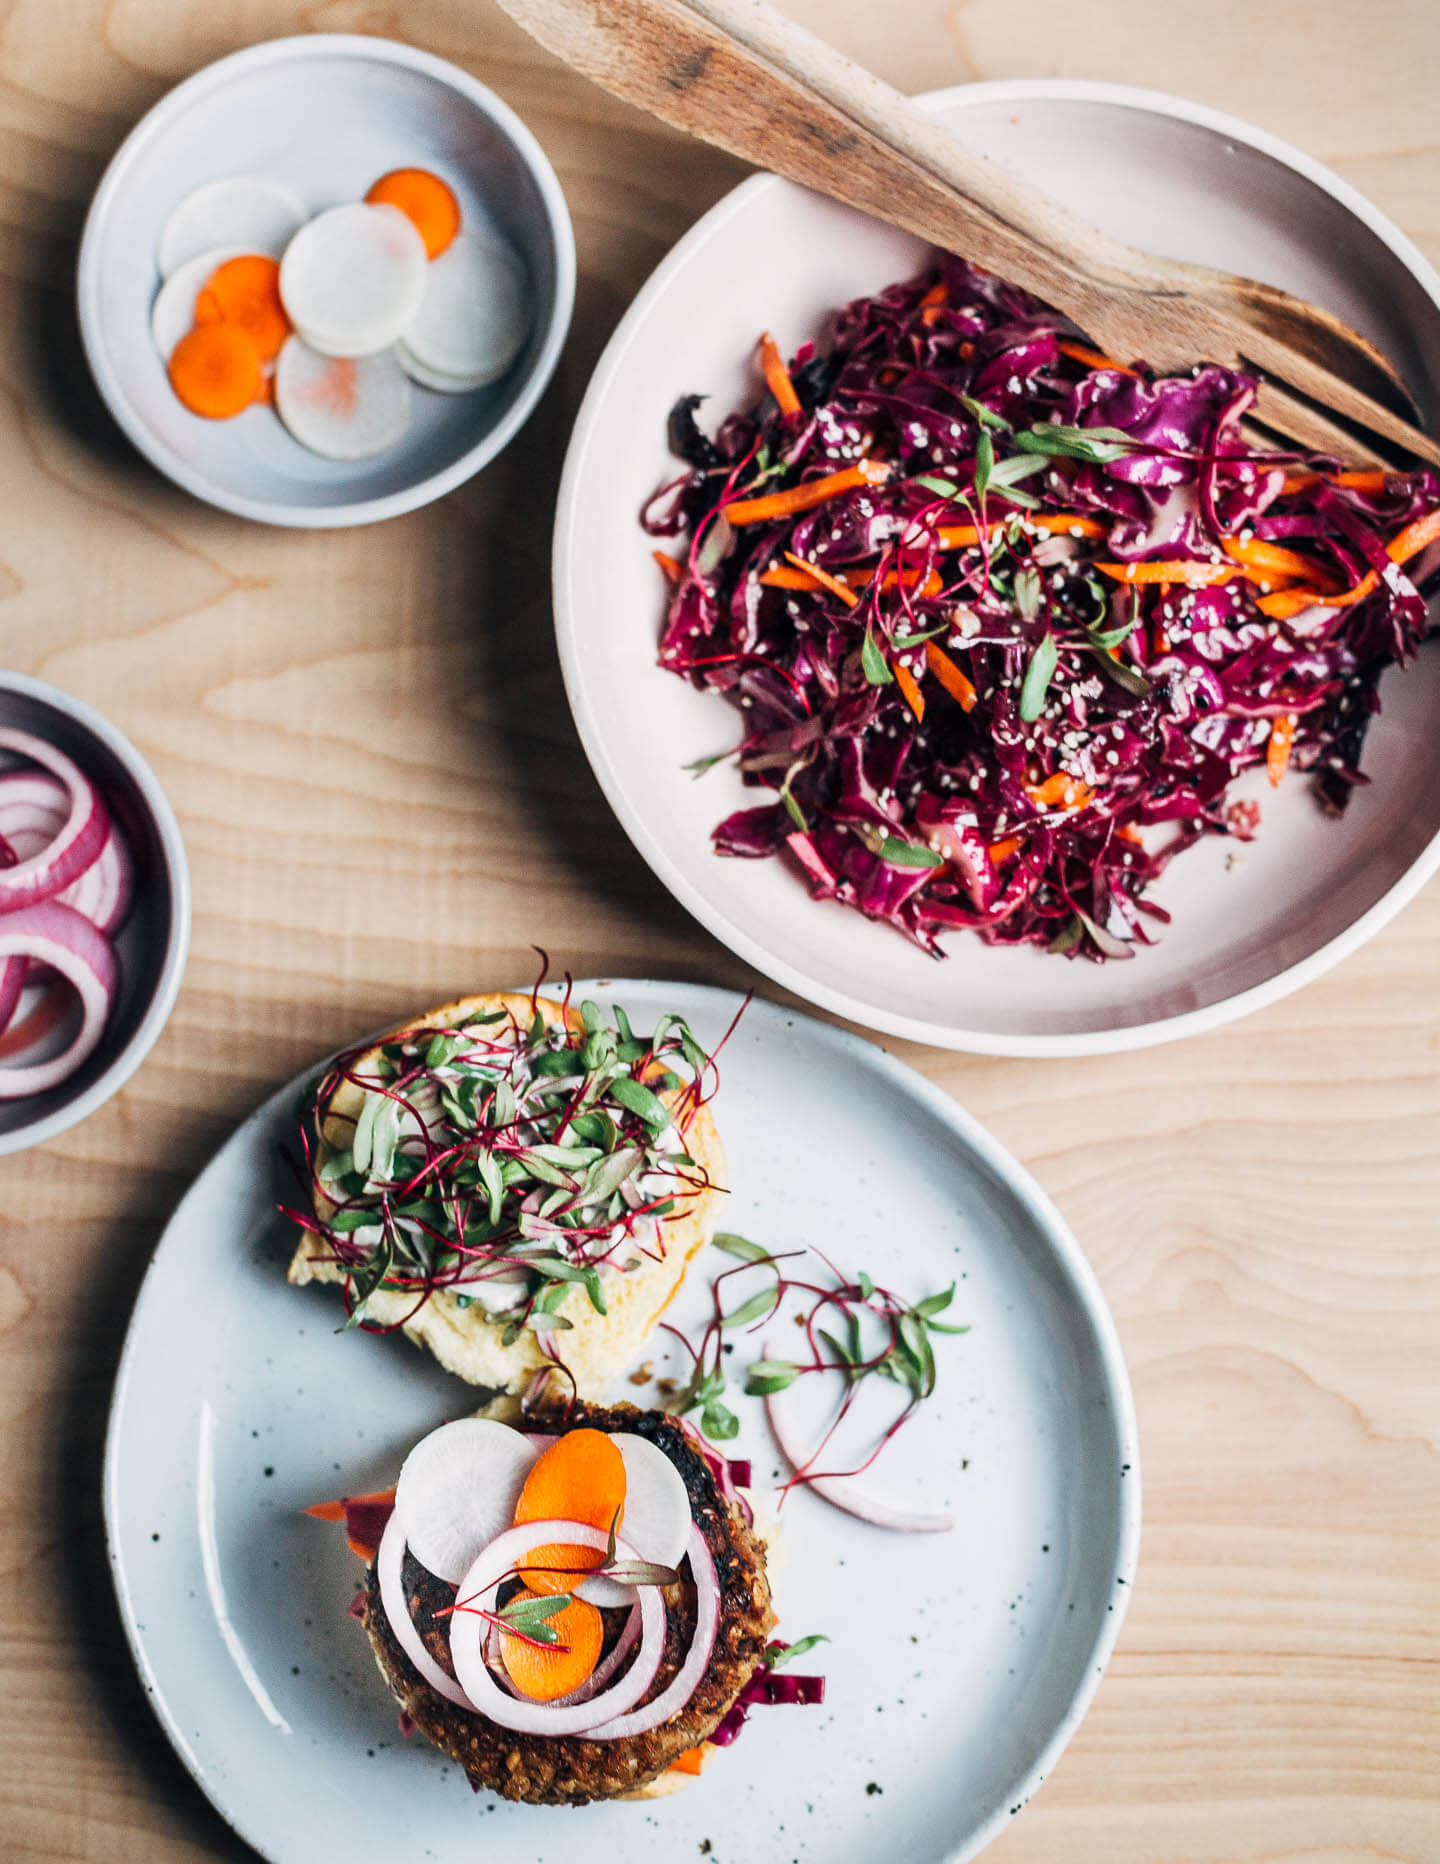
<point>740,75</point>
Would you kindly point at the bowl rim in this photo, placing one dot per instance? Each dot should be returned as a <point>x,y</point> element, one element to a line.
<point>565,569</point>
<point>213,76</point>
<point>177,944</point>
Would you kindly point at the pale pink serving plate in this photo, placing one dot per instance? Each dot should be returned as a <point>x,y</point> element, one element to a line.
<point>1250,924</point>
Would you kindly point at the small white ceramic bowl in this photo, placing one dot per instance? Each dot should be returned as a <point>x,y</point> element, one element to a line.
<point>327,114</point>
<point>1249,925</point>
<point>151,945</point>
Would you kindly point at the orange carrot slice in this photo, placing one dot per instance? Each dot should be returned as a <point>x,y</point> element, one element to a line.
<point>215,370</point>
<point>805,497</point>
<point>1274,562</point>
<point>544,1671</point>
<point>824,579</point>
<point>777,376</point>
<point>670,567</point>
<point>955,680</point>
<point>1192,575</point>
<point>1002,850</point>
<point>909,691</point>
<point>427,202</point>
<point>1093,358</point>
<point>690,1761</point>
<point>1414,538</point>
<point>1062,791</point>
<point>1280,745</point>
<point>581,1477</point>
<point>246,292</point>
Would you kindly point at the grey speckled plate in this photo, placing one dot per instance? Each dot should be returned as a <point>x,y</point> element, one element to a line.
<point>959,1664</point>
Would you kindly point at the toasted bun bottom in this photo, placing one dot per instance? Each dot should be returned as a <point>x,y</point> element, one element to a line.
<point>467,1341</point>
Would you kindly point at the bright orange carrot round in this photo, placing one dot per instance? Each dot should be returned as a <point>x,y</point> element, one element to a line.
<point>543,1672</point>
<point>552,1569</point>
<point>581,1477</point>
<point>246,292</point>
<point>215,370</point>
<point>425,200</point>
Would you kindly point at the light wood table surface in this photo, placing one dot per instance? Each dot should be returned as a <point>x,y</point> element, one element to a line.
<point>366,740</point>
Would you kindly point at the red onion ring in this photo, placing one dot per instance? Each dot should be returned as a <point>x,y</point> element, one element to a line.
<point>25,1031</point>
<point>34,807</point>
<point>389,1564</point>
<point>79,841</point>
<point>678,1692</point>
<point>59,936</point>
<point>12,981</point>
<point>844,1495</point>
<point>479,1586</point>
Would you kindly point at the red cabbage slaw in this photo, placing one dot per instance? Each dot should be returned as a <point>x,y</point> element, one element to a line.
<point>1005,618</point>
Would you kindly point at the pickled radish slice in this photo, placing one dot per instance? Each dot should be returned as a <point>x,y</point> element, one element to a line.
<point>476,311</point>
<point>353,278</point>
<point>657,1514</point>
<point>457,1491</point>
<point>433,378</point>
<point>241,212</point>
<point>173,312</point>
<point>346,408</point>
<point>543,1672</point>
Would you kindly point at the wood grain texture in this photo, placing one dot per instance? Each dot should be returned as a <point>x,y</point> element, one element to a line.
<point>366,740</point>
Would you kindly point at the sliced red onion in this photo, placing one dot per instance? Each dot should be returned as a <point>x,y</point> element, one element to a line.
<point>842,1494</point>
<point>673,1698</point>
<point>12,981</point>
<point>479,1587</point>
<point>106,888</point>
<point>81,837</point>
<point>59,936</point>
<point>389,1565</point>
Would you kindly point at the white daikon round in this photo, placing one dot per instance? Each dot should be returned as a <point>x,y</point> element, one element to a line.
<point>656,1521</point>
<point>457,1492</point>
<point>342,407</point>
<point>434,378</point>
<point>476,311</point>
<point>173,312</point>
<point>238,211</point>
<point>353,278</point>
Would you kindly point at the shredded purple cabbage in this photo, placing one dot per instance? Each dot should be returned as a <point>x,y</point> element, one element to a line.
<point>1110,718</point>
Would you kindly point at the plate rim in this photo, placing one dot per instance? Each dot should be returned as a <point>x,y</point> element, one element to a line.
<point>565,585</point>
<point>1050,1225</point>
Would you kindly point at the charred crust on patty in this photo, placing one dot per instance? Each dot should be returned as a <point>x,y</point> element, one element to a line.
<point>570,1770</point>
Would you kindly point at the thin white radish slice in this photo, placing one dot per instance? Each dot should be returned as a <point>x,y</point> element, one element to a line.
<point>476,312</point>
<point>242,212</point>
<point>353,278</point>
<point>678,1692</point>
<point>841,1493</point>
<point>467,1636</point>
<point>65,939</point>
<point>656,1518</point>
<point>173,312</point>
<point>344,408</point>
<point>457,1490</point>
<point>434,379</point>
<point>79,841</point>
<point>389,1569</point>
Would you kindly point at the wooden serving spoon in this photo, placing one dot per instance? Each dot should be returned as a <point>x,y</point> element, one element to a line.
<point>738,74</point>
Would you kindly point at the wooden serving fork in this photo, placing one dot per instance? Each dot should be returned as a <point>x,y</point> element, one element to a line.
<point>738,74</point>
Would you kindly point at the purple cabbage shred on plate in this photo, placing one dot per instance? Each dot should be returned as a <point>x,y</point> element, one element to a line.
<point>1005,619</point>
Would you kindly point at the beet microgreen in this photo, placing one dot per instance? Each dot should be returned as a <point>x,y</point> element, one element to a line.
<point>899,1345</point>
<point>503,1161</point>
